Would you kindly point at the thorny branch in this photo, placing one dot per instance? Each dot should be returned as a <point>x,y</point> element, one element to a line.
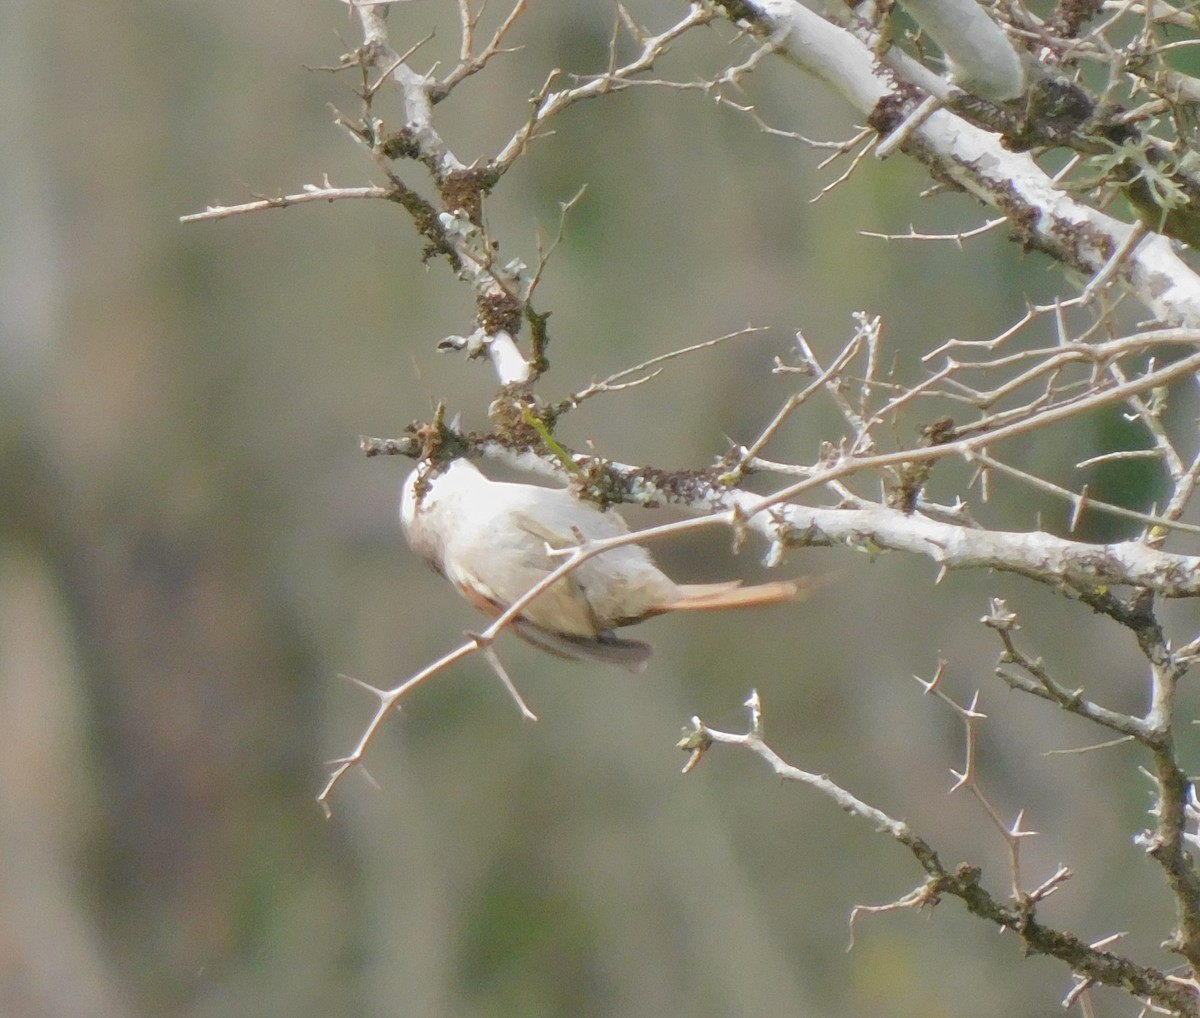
<point>964,881</point>
<point>859,522</point>
<point>983,124</point>
<point>1037,388</point>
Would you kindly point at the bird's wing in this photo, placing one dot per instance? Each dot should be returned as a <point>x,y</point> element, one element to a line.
<point>501,567</point>
<point>632,655</point>
<point>551,536</point>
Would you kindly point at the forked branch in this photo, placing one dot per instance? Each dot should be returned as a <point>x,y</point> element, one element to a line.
<point>964,882</point>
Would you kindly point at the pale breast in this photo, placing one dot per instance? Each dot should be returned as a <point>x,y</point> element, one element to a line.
<point>498,540</point>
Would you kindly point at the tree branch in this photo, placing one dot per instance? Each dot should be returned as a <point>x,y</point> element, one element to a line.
<point>1042,216</point>
<point>963,882</point>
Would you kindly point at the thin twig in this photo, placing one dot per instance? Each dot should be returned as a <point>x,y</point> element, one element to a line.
<point>1086,961</point>
<point>614,381</point>
<point>311,193</point>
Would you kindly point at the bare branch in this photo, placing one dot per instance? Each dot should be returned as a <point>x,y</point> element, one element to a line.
<point>1038,682</point>
<point>956,238</point>
<point>312,192</point>
<point>622,380</point>
<point>1052,560</point>
<point>964,883</point>
<point>1077,235</point>
<point>548,105</point>
<point>470,63</point>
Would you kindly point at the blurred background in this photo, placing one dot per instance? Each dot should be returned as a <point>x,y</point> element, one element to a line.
<point>192,549</point>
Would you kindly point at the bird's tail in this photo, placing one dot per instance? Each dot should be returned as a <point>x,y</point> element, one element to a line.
<point>719,596</point>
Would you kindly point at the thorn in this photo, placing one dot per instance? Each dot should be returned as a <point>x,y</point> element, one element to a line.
<point>1016,832</point>
<point>935,683</point>
<point>493,659</point>
<point>381,693</point>
<point>1082,984</point>
<point>481,641</point>
<point>971,711</point>
<point>999,617</point>
<point>754,702</point>
<point>1104,942</point>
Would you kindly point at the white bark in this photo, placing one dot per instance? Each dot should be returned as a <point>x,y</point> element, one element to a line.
<point>1045,217</point>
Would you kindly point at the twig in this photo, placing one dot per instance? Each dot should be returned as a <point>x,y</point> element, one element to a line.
<point>1044,557</point>
<point>312,192</point>
<point>573,558</point>
<point>490,655</point>
<point>955,238</point>
<point>965,881</point>
<point>1077,499</point>
<point>968,778</point>
<point>549,104</point>
<point>1004,623</point>
<point>614,381</point>
<point>388,698</point>
<point>565,209</point>
<point>798,399</point>
<point>469,64</point>
<point>901,134</point>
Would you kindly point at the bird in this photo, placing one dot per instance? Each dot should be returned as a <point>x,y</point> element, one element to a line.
<point>494,540</point>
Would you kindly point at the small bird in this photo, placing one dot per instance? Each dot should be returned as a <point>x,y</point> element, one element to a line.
<point>493,540</point>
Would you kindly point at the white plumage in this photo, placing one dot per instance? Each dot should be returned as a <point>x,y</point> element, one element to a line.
<point>491,540</point>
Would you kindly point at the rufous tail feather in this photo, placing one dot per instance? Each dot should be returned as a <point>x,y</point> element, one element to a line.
<point>719,596</point>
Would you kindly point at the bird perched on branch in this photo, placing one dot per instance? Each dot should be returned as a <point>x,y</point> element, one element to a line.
<point>495,540</point>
